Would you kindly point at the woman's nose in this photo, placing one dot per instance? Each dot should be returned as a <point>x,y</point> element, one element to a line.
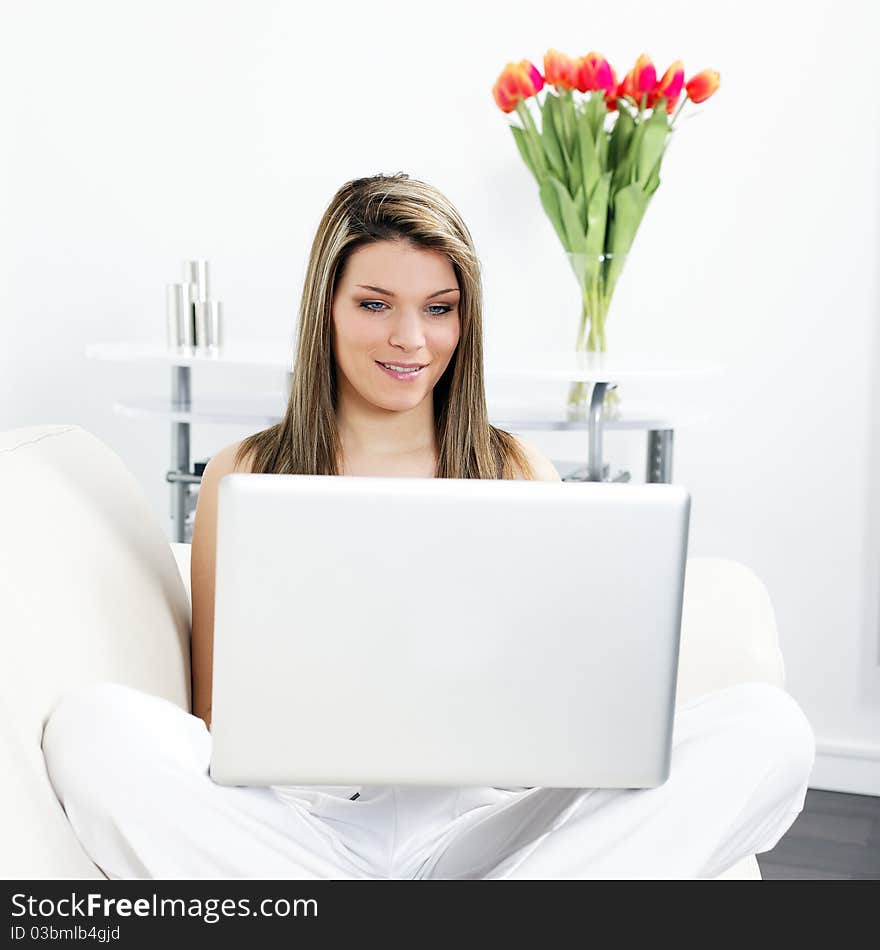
<point>408,330</point>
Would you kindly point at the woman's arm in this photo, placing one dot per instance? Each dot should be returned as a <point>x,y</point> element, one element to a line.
<point>202,569</point>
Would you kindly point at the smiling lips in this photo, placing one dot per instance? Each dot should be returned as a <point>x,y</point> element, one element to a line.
<point>401,370</point>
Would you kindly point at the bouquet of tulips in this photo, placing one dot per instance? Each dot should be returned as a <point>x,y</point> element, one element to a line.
<point>595,177</point>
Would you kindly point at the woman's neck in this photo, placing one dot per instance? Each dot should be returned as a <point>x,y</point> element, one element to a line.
<point>369,430</point>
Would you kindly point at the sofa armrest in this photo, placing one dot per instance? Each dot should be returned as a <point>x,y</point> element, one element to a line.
<point>728,629</point>
<point>182,553</point>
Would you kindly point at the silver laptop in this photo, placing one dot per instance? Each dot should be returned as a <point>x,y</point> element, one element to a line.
<point>429,631</point>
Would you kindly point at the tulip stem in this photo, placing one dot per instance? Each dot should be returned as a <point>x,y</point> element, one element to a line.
<point>678,112</point>
<point>526,116</point>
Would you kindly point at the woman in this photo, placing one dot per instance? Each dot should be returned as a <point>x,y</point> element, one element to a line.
<point>388,380</point>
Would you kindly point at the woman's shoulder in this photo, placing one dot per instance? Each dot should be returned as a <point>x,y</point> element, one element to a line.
<point>225,459</point>
<point>544,469</point>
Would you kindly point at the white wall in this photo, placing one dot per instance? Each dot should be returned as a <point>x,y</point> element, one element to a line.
<point>141,134</point>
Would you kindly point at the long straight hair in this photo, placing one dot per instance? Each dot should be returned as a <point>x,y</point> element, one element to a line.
<point>306,440</point>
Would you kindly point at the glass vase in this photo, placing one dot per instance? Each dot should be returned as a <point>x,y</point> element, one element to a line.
<point>597,276</point>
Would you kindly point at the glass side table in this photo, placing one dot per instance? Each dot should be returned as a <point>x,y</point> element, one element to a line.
<point>518,414</point>
<point>605,371</point>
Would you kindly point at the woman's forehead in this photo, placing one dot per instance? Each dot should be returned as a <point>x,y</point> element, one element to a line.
<point>397,267</point>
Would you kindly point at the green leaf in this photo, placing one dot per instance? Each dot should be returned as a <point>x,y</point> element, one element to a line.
<point>624,173</point>
<point>653,143</point>
<point>580,206</point>
<point>602,149</point>
<point>522,144</point>
<point>575,174</point>
<point>550,202</point>
<point>596,111</point>
<point>653,182</point>
<point>569,114</point>
<point>628,208</point>
<point>550,139</point>
<point>574,226</point>
<point>597,215</point>
<point>621,133</point>
<point>533,141</point>
<point>587,156</point>
<point>560,127</point>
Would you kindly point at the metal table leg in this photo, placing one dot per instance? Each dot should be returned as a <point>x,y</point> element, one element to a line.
<point>181,398</point>
<point>597,401</point>
<point>659,455</point>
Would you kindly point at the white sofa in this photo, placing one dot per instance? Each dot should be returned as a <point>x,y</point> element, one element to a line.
<point>92,590</point>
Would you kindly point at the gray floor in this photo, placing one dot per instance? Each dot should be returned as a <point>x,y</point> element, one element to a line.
<point>835,837</point>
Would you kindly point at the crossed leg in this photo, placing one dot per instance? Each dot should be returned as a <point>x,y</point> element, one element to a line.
<point>131,771</point>
<point>741,761</point>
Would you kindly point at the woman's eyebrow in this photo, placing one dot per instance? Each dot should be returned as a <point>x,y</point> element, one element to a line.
<point>389,293</point>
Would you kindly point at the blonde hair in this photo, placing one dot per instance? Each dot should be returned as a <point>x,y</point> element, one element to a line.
<point>306,440</point>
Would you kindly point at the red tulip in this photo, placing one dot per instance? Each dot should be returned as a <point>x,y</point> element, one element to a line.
<point>560,70</point>
<point>595,72</point>
<point>644,75</point>
<point>669,86</point>
<point>703,85</point>
<point>515,82</point>
<point>535,76</point>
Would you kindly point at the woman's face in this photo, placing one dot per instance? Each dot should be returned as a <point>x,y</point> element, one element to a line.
<point>395,304</point>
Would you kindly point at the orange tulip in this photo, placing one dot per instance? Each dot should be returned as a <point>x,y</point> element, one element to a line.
<point>594,72</point>
<point>515,82</point>
<point>703,85</point>
<point>560,70</point>
<point>669,86</point>
<point>644,75</point>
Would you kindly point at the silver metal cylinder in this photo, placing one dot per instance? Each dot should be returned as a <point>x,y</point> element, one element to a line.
<point>187,294</point>
<point>197,287</point>
<point>175,313</point>
<point>215,324</point>
<point>190,272</point>
<point>202,309</point>
<point>203,280</point>
<point>209,323</point>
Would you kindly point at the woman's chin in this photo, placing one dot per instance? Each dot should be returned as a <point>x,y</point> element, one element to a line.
<point>397,401</point>
<point>401,404</point>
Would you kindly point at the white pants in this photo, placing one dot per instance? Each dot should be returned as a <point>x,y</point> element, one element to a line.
<point>131,771</point>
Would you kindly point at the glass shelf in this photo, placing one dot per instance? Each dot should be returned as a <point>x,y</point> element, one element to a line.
<point>258,409</point>
<point>265,409</point>
<point>532,365</point>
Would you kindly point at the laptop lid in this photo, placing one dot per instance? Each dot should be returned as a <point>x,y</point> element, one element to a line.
<point>382,631</point>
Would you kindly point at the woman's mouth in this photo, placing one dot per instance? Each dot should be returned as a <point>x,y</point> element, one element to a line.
<point>399,372</point>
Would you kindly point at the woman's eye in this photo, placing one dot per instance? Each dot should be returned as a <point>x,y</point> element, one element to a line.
<point>370,304</point>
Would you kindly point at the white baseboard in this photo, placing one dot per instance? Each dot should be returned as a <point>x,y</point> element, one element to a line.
<point>846,767</point>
